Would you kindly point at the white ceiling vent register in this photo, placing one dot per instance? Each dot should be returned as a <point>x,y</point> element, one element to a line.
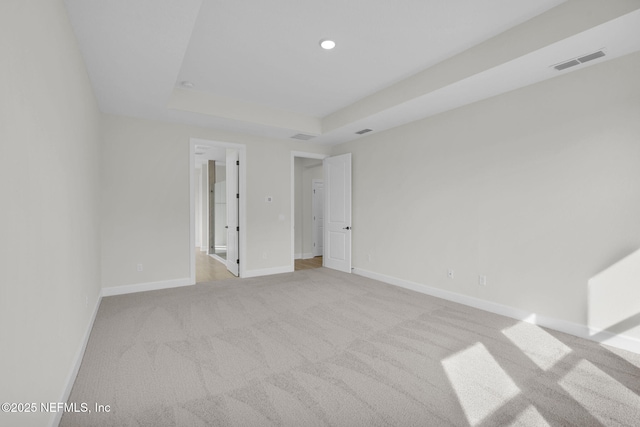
<point>581,60</point>
<point>302,136</point>
<point>363,131</point>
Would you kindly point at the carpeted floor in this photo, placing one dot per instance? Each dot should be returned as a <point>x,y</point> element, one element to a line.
<point>323,348</point>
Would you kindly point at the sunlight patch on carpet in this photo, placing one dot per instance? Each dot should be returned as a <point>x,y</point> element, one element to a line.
<point>481,385</point>
<point>538,345</point>
<point>588,384</point>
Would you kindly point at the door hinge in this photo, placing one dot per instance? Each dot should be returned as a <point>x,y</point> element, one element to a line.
<point>237,195</point>
<point>237,228</point>
<point>237,261</point>
<point>237,162</point>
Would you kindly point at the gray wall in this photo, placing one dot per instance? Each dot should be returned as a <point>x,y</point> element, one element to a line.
<point>537,189</point>
<point>49,220</point>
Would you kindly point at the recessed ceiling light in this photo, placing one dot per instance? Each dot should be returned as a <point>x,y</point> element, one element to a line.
<point>327,44</point>
<point>187,84</point>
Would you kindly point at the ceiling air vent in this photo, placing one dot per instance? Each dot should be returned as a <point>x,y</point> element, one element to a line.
<point>578,61</point>
<point>587,58</point>
<point>363,131</point>
<point>565,65</point>
<point>302,136</point>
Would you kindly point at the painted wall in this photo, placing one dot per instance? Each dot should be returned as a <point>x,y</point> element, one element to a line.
<point>537,189</point>
<point>145,199</point>
<point>614,297</point>
<point>49,226</point>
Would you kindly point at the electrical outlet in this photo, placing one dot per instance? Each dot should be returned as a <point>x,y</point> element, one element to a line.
<point>450,273</point>
<point>139,267</point>
<point>482,280</point>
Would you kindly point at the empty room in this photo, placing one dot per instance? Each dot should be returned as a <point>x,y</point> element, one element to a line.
<point>320,213</point>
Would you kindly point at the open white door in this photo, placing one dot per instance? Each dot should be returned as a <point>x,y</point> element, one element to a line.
<point>337,208</point>
<point>233,202</point>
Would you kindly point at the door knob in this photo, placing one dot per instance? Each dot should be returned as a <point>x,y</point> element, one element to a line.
<point>346,228</point>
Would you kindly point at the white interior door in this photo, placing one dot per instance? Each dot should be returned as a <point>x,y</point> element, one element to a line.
<point>317,209</point>
<point>233,202</point>
<point>337,213</point>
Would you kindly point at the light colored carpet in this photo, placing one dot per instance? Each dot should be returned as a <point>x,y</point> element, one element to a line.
<point>323,348</point>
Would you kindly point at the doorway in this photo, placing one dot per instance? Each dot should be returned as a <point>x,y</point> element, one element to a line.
<point>211,202</point>
<point>317,211</point>
<point>307,196</point>
<point>217,206</point>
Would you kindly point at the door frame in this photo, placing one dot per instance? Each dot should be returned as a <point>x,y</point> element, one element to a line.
<point>305,155</point>
<point>242,171</point>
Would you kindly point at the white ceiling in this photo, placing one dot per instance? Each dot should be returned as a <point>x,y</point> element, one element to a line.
<point>257,66</point>
<point>270,56</point>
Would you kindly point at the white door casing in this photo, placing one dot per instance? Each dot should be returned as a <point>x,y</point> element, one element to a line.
<point>337,212</point>
<point>232,212</point>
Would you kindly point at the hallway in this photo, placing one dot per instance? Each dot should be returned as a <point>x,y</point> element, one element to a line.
<point>209,269</point>
<point>305,264</point>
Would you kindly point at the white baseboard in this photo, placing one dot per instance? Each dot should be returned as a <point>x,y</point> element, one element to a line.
<point>77,361</point>
<point>622,341</point>
<point>583,331</point>
<point>306,255</point>
<point>267,271</point>
<point>217,258</point>
<point>142,287</point>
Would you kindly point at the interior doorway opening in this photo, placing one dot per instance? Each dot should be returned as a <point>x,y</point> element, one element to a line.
<point>307,197</point>
<point>217,210</point>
